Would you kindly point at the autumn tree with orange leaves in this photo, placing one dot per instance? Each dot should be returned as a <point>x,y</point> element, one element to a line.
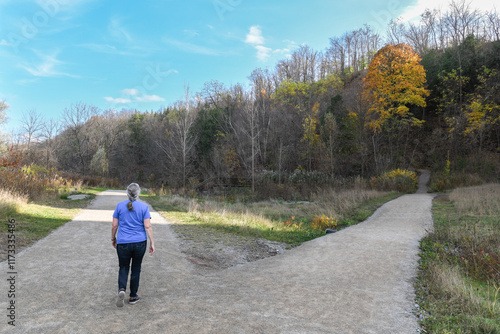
<point>395,82</point>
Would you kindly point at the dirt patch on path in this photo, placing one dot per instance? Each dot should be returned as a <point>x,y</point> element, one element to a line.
<point>212,249</point>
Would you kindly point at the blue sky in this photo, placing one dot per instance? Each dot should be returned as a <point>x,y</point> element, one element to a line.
<point>141,54</point>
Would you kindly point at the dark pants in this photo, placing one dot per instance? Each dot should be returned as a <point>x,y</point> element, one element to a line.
<point>126,252</point>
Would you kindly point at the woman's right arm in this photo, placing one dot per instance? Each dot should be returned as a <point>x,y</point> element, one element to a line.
<point>114,228</point>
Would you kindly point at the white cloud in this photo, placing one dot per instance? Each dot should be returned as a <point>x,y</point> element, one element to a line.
<point>117,31</point>
<point>23,82</point>
<point>47,66</point>
<point>134,95</point>
<point>149,98</point>
<point>43,69</point>
<point>117,100</point>
<point>291,45</point>
<point>63,4</point>
<point>4,42</point>
<point>254,36</point>
<point>191,33</point>
<point>130,91</point>
<point>191,48</point>
<point>263,52</point>
<point>109,49</point>
<point>413,12</point>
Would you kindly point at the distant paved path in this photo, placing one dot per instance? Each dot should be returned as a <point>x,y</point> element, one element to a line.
<point>359,280</point>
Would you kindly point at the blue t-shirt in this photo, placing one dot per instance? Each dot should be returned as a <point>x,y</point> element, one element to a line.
<point>131,223</point>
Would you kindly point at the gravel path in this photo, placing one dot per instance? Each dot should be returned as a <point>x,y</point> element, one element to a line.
<point>359,280</point>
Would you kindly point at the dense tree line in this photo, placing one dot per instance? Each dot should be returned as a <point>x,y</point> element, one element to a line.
<point>315,112</point>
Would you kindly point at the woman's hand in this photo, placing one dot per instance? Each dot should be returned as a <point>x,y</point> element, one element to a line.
<point>151,249</point>
<point>113,242</point>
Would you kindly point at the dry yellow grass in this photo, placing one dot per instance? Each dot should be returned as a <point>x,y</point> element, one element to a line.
<point>460,275</point>
<point>451,282</point>
<point>481,200</point>
<point>330,203</point>
<point>11,203</point>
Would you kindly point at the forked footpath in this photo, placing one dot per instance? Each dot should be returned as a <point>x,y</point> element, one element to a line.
<point>358,280</point>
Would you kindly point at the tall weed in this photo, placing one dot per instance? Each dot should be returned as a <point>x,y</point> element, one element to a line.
<point>11,203</point>
<point>474,201</point>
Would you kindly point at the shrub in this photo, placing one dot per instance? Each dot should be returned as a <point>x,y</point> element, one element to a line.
<point>401,180</point>
<point>30,181</point>
<point>443,181</point>
<point>91,181</point>
<point>323,222</point>
<point>35,181</point>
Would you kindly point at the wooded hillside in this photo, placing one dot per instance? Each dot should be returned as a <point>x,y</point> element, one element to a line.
<point>425,95</point>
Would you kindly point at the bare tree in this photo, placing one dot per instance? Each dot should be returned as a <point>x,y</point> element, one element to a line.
<point>79,121</point>
<point>352,51</point>
<point>49,131</point>
<point>431,24</point>
<point>246,130</point>
<point>212,93</point>
<point>106,130</point>
<point>396,32</point>
<point>304,61</point>
<point>262,88</point>
<point>461,21</point>
<point>31,124</point>
<point>328,134</point>
<point>493,20</point>
<point>418,37</point>
<point>302,66</point>
<point>179,140</point>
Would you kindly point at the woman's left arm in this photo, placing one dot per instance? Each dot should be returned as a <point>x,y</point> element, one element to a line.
<point>149,232</point>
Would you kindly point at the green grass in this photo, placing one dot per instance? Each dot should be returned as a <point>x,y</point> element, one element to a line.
<point>365,209</point>
<point>459,273</point>
<point>246,224</point>
<point>275,220</point>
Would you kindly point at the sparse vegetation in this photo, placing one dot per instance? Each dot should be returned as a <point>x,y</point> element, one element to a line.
<point>292,222</point>
<point>460,266</point>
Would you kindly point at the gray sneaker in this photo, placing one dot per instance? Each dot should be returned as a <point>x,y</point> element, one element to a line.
<point>121,297</point>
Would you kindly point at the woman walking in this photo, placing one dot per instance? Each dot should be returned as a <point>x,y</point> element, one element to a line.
<point>132,221</point>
